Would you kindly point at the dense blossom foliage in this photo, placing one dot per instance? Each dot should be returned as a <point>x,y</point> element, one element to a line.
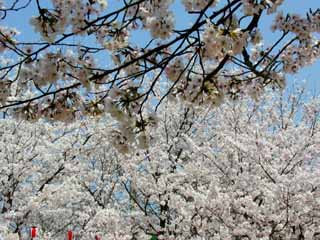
<point>179,133</point>
<point>89,50</point>
<point>252,174</point>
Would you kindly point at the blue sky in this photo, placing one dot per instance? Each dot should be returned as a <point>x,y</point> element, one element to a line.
<point>310,73</point>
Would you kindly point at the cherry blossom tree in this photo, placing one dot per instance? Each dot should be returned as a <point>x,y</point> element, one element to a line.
<point>244,170</point>
<point>179,134</point>
<point>88,61</point>
<point>31,158</point>
<point>54,178</point>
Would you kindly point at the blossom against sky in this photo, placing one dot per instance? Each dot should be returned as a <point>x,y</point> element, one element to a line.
<point>182,20</point>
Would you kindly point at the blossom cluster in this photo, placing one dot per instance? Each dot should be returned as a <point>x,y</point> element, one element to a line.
<point>295,58</point>
<point>198,4</point>
<point>218,43</point>
<point>124,106</point>
<point>7,37</point>
<point>253,7</point>
<point>5,91</point>
<point>302,27</point>
<point>50,71</point>
<point>51,23</point>
<point>46,70</point>
<point>155,16</point>
<point>307,50</point>
<point>174,70</point>
<point>63,108</point>
<point>195,89</point>
<point>112,37</point>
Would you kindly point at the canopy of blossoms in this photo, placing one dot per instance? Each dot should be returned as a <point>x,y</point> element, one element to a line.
<point>120,123</point>
<point>253,174</point>
<point>88,60</point>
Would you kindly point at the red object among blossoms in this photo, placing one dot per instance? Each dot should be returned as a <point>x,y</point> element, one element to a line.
<point>70,235</point>
<point>97,237</point>
<point>33,232</point>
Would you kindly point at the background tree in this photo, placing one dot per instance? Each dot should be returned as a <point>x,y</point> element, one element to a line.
<point>253,174</point>
<point>31,158</point>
